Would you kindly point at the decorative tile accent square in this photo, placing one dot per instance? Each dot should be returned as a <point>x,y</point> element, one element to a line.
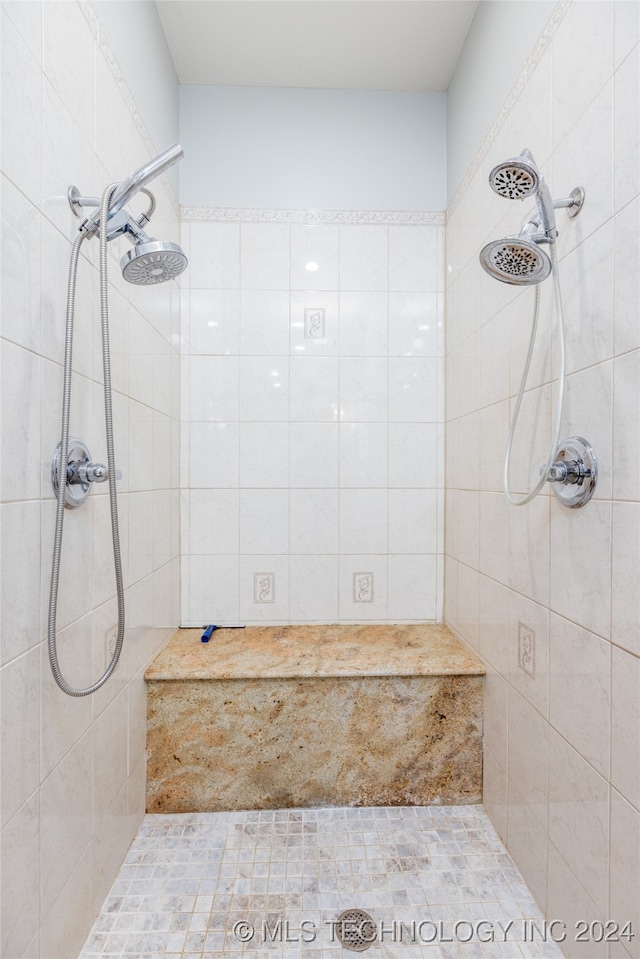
<point>264,587</point>
<point>527,649</point>
<point>363,588</point>
<point>314,324</point>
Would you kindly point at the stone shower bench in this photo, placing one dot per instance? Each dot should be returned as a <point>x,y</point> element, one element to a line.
<point>276,717</point>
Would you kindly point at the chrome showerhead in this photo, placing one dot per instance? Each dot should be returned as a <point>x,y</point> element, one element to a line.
<point>516,178</point>
<point>515,260</point>
<point>153,261</point>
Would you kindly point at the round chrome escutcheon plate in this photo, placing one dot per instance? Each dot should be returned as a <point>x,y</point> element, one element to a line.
<point>577,455</point>
<point>75,494</point>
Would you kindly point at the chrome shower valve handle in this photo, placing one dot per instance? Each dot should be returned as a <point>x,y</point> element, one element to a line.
<point>81,473</point>
<point>575,472</point>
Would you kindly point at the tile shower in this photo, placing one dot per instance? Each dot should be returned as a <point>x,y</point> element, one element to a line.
<point>562,758</point>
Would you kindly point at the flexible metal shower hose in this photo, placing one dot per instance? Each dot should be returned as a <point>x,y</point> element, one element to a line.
<point>64,451</point>
<point>562,376</point>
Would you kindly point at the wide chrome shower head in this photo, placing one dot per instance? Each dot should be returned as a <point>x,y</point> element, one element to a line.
<point>153,261</point>
<point>516,260</point>
<point>516,178</point>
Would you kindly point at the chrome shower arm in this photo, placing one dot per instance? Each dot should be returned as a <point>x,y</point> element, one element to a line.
<point>126,190</point>
<point>90,227</point>
<point>546,206</point>
<point>547,214</point>
<point>129,187</point>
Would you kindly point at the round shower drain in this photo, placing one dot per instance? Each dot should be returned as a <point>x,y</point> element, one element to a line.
<point>356,930</point>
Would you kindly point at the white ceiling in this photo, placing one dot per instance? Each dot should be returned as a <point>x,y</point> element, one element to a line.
<point>332,44</point>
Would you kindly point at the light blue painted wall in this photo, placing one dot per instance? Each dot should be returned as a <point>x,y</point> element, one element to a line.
<point>135,35</point>
<point>299,148</point>
<point>500,39</point>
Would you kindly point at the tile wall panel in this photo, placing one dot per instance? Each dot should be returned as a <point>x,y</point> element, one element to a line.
<point>72,794</point>
<point>312,420</point>
<point>568,774</point>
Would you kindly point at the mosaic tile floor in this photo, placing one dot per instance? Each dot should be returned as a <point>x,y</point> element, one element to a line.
<point>437,882</point>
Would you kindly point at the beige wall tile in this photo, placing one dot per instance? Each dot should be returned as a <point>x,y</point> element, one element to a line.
<point>494,798</point>
<point>568,902</point>
<point>625,878</point>
<point>496,693</point>
<point>64,928</point>
<point>529,755</point>
<point>579,683</point>
<point>529,549</point>
<point>625,575</point>
<point>581,579</point>
<point>20,880</point>
<point>493,631</point>
<point>66,819</point>
<point>66,718</point>
<point>494,536</point>
<point>527,840</point>
<point>110,752</point>
<point>626,412</point>
<point>625,725</point>
<point>20,731</point>
<point>579,818</point>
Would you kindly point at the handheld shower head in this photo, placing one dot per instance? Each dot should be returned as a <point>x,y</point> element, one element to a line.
<point>516,260</point>
<point>152,261</point>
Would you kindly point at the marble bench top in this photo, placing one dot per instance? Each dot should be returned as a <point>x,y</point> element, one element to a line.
<point>286,652</point>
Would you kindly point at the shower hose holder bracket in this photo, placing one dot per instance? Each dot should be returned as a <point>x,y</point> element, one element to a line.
<point>575,472</point>
<point>81,473</point>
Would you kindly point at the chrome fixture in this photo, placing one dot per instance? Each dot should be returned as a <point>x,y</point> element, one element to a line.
<point>80,474</point>
<point>155,262</point>
<point>516,260</point>
<point>520,261</point>
<point>575,472</point>
<point>126,190</point>
<point>151,261</point>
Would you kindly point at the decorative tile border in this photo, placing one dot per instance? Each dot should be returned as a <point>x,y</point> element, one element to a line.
<point>389,217</point>
<point>94,24</point>
<point>221,214</point>
<point>536,55</point>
